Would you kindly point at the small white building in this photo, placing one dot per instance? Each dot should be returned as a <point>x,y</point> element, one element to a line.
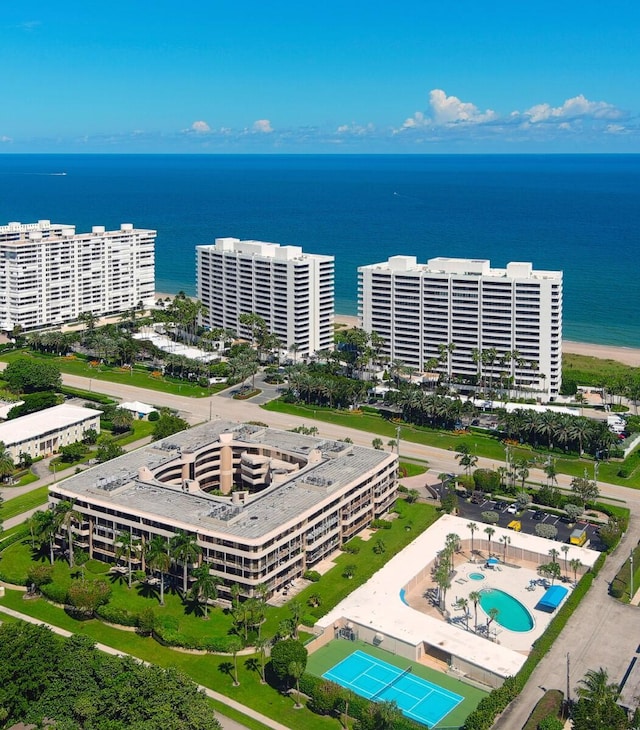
<point>44,433</point>
<point>140,410</point>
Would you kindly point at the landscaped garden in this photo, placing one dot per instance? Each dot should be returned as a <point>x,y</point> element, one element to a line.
<point>181,620</point>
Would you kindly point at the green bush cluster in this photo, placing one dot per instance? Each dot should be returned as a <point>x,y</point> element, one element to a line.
<point>312,575</point>
<point>55,592</point>
<point>380,524</point>
<point>114,615</point>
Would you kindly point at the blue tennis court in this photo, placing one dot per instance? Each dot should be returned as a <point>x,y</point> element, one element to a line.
<point>374,679</point>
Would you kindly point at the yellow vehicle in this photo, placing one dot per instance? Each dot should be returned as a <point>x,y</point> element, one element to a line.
<point>579,536</point>
<point>515,525</point>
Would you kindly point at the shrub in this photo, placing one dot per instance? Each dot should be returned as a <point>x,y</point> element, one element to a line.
<point>380,524</point>
<point>55,592</point>
<point>308,620</point>
<point>486,480</point>
<point>312,575</point>
<point>216,644</point>
<point>284,653</point>
<point>623,472</point>
<point>490,517</point>
<point>146,620</point>
<point>115,615</point>
<point>40,575</point>
<point>153,416</point>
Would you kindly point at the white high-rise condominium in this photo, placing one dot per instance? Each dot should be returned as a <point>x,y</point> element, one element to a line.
<point>292,291</point>
<point>49,274</point>
<point>468,320</point>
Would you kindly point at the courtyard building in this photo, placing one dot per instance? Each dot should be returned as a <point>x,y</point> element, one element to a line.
<point>263,505</point>
<point>465,319</point>
<point>291,290</point>
<point>50,275</point>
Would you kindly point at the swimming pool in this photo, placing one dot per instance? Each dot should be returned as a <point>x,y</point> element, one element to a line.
<point>512,615</point>
<point>476,576</point>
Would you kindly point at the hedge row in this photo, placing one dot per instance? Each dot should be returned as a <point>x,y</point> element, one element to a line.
<point>483,717</point>
<point>87,395</point>
<point>13,537</point>
<point>328,698</point>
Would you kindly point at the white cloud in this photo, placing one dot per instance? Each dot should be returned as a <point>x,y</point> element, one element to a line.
<point>200,127</point>
<point>447,111</point>
<point>262,126</point>
<point>616,129</point>
<point>355,129</point>
<point>450,110</point>
<point>4,138</point>
<point>578,106</point>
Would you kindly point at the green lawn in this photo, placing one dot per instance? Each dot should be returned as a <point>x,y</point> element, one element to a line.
<point>17,505</point>
<point>136,377</point>
<point>480,443</point>
<point>335,651</point>
<point>206,669</point>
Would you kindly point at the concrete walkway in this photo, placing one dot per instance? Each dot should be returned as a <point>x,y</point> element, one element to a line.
<point>227,723</point>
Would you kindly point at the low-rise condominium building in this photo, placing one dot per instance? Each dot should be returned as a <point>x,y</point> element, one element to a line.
<point>263,505</point>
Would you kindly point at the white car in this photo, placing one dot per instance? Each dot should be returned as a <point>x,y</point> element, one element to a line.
<point>512,509</point>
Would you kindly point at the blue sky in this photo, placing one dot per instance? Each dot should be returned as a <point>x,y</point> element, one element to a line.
<point>325,77</point>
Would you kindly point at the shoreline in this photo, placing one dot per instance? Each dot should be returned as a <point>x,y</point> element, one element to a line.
<point>625,355</point>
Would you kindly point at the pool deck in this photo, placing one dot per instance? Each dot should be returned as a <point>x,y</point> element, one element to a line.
<point>377,604</point>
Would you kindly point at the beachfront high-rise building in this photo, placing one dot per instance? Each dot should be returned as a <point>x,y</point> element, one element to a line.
<point>466,319</point>
<point>50,275</point>
<point>292,291</point>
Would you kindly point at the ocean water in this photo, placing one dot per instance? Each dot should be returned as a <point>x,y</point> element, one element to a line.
<point>577,213</point>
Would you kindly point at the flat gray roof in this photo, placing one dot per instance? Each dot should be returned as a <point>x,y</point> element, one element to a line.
<point>43,422</point>
<point>117,483</point>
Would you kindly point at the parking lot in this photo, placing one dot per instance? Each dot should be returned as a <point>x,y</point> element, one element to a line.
<point>528,518</point>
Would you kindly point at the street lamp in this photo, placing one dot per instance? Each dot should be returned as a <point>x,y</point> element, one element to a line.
<point>631,582</point>
<point>398,440</point>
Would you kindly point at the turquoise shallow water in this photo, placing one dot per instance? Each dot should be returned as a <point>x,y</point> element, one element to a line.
<point>578,213</point>
<point>512,614</point>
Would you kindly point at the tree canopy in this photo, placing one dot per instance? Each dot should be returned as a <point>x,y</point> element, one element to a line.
<point>71,682</point>
<point>28,375</point>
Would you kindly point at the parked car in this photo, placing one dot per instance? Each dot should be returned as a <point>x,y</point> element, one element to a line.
<point>539,515</point>
<point>500,505</point>
<point>512,509</point>
<point>515,525</point>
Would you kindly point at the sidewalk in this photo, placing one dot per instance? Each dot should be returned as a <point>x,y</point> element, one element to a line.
<point>226,723</point>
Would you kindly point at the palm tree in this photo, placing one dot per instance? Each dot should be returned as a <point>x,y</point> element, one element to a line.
<point>472,527</point>
<point>6,462</point>
<point>205,586</point>
<point>492,614</point>
<point>565,550</point>
<point>185,550</point>
<point>261,644</point>
<point>596,687</point>
<point>463,605</point>
<point>43,526</point>
<point>475,597</point>
<point>234,644</point>
<point>575,564</point>
<point>490,533</point>
<point>296,670</point>
<point>158,558</point>
<point>127,545</point>
<point>506,541</point>
<point>65,516</point>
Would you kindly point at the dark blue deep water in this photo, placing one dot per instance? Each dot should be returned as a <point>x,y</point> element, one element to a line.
<point>578,213</point>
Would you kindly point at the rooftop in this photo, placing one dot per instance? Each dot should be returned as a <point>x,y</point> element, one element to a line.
<point>33,425</point>
<point>119,485</point>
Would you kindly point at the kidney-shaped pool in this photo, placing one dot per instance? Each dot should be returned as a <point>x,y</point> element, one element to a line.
<point>512,615</point>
